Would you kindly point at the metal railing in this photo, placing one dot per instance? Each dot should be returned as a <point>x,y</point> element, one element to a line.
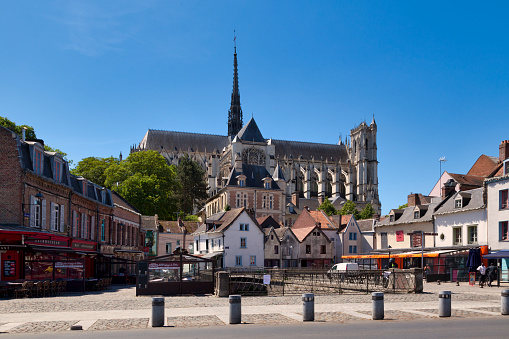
<point>298,281</point>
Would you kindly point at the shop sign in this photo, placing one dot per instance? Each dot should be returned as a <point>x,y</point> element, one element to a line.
<point>416,240</point>
<point>89,246</point>
<point>68,264</point>
<point>9,268</point>
<point>164,266</point>
<point>46,241</point>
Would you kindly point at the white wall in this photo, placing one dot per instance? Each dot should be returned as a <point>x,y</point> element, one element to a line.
<point>255,243</point>
<point>495,214</point>
<point>444,224</point>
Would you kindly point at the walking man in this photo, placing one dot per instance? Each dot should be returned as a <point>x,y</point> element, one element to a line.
<point>482,278</point>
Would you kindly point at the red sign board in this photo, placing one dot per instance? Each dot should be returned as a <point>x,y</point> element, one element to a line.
<point>400,236</point>
<point>48,240</point>
<point>83,245</point>
<point>416,240</point>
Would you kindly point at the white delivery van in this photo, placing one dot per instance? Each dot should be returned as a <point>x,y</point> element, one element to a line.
<point>342,268</point>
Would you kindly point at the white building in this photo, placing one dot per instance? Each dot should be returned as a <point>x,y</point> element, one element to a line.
<point>461,220</point>
<point>233,238</point>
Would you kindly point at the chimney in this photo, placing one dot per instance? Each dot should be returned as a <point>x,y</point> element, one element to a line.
<point>503,150</point>
<point>412,199</point>
<point>23,133</point>
<point>321,199</point>
<point>295,199</point>
<point>449,186</point>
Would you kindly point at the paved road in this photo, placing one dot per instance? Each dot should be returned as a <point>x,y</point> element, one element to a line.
<point>120,309</point>
<point>440,328</point>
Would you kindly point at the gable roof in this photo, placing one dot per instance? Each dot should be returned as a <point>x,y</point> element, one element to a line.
<point>305,220</point>
<point>472,200</point>
<point>483,166</point>
<point>468,180</point>
<point>323,221</point>
<point>407,216</point>
<point>173,226</point>
<point>267,221</point>
<point>182,141</point>
<point>254,176</point>
<point>366,225</point>
<point>250,132</point>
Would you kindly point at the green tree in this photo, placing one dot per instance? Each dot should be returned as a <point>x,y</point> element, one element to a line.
<point>350,208</point>
<point>402,206</point>
<point>327,207</point>
<point>191,217</point>
<point>367,212</point>
<point>94,168</point>
<point>192,187</point>
<point>18,129</point>
<point>146,181</point>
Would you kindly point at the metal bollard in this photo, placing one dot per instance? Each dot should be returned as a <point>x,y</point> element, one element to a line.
<point>444,304</point>
<point>378,305</point>
<point>235,309</point>
<point>308,307</point>
<point>157,312</point>
<point>505,302</point>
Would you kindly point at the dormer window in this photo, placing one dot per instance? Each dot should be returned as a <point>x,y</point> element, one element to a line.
<point>391,218</point>
<point>417,214</point>
<point>506,167</point>
<point>458,203</point>
<point>58,170</point>
<point>241,180</point>
<point>242,183</point>
<point>38,162</point>
<point>267,185</point>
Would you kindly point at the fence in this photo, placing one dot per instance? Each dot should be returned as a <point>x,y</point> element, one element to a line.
<point>281,282</point>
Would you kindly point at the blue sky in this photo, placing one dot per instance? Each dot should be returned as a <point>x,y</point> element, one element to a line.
<point>92,76</point>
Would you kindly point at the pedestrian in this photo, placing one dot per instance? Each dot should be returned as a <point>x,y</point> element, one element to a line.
<point>482,278</point>
<point>492,273</point>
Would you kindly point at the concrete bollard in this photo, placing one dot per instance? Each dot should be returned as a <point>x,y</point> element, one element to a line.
<point>308,307</point>
<point>444,304</point>
<point>378,305</point>
<point>157,312</point>
<point>505,302</point>
<point>235,309</point>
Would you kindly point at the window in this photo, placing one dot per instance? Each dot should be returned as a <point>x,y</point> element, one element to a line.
<point>252,260</point>
<point>391,218</point>
<point>276,249</point>
<point>308,249</point>
<point>272,237</point>
<point>237,200</point>
<point>504,230</point>
<point>383,240</point>
<point>243,242</point>
<point>244,227</point>
<point>271,201</point>
<point>168,248</point>
<point>207,245</point>
<point>238,260</point>
<point>352,249</point>
<point>417,215</point>
<point>244,200</point>
<point>76,225</point>
<point>103,235</point>
<point>178,243</point>
<point>264,201</point>
<point>38,162</point>
<point>267,185</point>
<point>504,199</point>
<point>352,236</point>
<point>323,249</point>
<point>241,183</point>
<point>457,203</point>
<point>56,216</point>
<point>472,234</point>
<point>196,246</point>
<point>58,170</point>
<point>456,236</point>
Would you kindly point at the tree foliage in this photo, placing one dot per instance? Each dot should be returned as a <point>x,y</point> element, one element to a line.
<point>94,168</point>
<point>350,208</point>
<point>18,129</point>
<point>56,150</point>
<point>327,207</point>
<point>192,187</point>
<point>402,206</point>
<point>367,212</point>
<point>146,181</point>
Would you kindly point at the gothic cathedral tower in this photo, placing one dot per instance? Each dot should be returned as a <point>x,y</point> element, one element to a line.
<point>363,154</point>
<point>235,111</point>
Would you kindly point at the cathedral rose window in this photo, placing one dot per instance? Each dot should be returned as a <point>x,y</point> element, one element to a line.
<point>253,156</point>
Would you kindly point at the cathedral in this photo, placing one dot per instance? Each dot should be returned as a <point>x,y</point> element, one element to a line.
<point>274,177</point>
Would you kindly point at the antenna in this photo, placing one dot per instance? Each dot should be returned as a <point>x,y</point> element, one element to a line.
<point>234,40</point>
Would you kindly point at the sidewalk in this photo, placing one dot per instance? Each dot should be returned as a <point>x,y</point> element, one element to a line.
<point>119,309</point>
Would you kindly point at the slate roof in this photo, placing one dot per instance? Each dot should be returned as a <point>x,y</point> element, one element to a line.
<point>254,176</point>
<point>120,201</point>
<point>407,217</point>
<point>250,132</point>
<point>222,223</point>
<point>475,201</point>
<point>175,141</point>
<point>308,150</point>
<point>366,225</point>
<point>173,226</point>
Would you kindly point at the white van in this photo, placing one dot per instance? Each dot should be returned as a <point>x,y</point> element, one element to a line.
<point>342,268</point>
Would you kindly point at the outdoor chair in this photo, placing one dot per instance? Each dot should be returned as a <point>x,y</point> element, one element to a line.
<point>62,285</point>
<point>46,287</point>
<point>54,287</point>
<point>25,290</point>
<point>39,288</point>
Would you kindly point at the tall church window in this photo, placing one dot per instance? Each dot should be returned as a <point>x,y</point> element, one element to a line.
<point>253,156</point>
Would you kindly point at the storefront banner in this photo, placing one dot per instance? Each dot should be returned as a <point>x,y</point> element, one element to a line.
<point>47,240</point>
<point>68,264</point>
<point>164,266</point>
<point>83,245</point>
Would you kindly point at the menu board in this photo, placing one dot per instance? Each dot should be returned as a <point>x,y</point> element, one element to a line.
<point>9,268</point>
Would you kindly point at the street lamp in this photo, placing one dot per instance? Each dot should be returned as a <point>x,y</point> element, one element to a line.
<point>441,160</point>
<point>389,248</point>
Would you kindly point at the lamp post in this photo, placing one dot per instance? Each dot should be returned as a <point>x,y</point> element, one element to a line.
<point>389,248</point>
<point>441,160</point>
<point>38,199</point>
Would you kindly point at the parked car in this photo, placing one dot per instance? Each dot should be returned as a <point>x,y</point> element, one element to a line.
<point>343,267</point>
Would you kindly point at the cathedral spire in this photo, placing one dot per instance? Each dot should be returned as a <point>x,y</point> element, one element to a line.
<point>235,111</point>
